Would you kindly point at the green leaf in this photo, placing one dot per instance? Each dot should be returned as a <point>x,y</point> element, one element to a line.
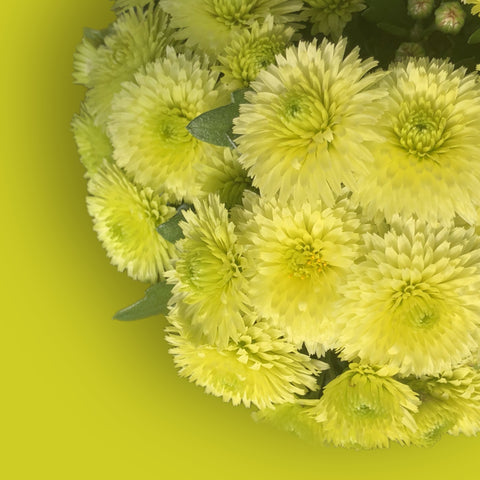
<point>154,303</point>
<point>171,230</point>
<point>216,126</point>
<point>393,29</point>
<point>474,37</point>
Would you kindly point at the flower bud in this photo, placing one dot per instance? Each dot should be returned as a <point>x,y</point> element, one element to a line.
<point>450,17</point>
<point>419,9</point>
<point>409,49</point>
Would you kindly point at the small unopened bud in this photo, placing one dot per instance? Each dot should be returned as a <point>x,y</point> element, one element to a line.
<point>450,17</point>
<point>419,9</point>
<point>409,49</point>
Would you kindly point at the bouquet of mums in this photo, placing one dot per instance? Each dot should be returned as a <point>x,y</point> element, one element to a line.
<point>298,185</point>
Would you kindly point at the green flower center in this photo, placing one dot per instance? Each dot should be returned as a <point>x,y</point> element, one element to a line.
<point>304,261</point>
<point>171,128</point>
<point>306,116</point>
<point>421,131</point>
<point>232,12</point>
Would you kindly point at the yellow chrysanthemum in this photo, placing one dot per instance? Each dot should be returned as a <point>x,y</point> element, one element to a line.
<point>87,56</point>
<point>303,131</point>
<point>476,6</point>
<point>292,417</point>
<point>125,218</point>
<point>225,176</point>
<point>92,141</point>
<point>149,119</point>
<point>330,16</point>
<point>251,50</point>
<point>260,368</point>
<point>136,38</point>
<point>457,392</point>
<point>121,5</point>
<point>211,24</point>
<point>366,407</point>
<point>208,278</point>
<point>429,164</point>
<point>413,302</point>
<point>298,255</point>
<point>432,419</point>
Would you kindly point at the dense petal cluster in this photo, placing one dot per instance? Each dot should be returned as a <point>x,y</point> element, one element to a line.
<point>251,50</point>
<point>429,164</point>
<point>297,257</point>
<point>125,218</point>
<point>456,394</point>
<point>303,132</point>
<point>413,302</point>
<point>259,368</point>
<point>212,24</point>
<point>136,38</point>
<point>121,5</point>
<point>476,6</point>
<point>92,141</point>
<point>149,119</point>
<point>208,279</point>
<point>330,16</point>
<point>366,407</point>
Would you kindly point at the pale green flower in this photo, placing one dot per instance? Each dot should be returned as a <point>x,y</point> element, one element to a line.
<point>330,16</point>
<point>260,368</point>
<point>476,6</point>
<point>149,119</point>
<point>121,5</point>
<point>211,24</point>
<point>136,38</point>
<point>125,218</point>
<point>292,417</point>
<point>429,164</point>
<point>208,279</point>
<point>92,141</point>
<point>413,302</point>
<point>457,392</point>
<point>366,407</point>
<point>225,176</point>
<point>298,255</point>
<point>251,50</point>
<point>303,131</point>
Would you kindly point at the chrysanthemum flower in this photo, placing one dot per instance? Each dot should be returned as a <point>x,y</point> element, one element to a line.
<point>125,218</point>
<point>302,134</point>
<point>211,24</point>
<point>413,302</point>
<point>87,57</point>
<point>260,368</point>
<point>292,417</point>
<point>429,164</point>
<point>136,38</point>
<point>225,176</point>
<point>433,420</point>
<point>457,392</point>
<point>92,141</point>
<point>251,50</point>
<point>330,16</point>
<point>208,278</point>
<point>365,407</point>
<point>297,257</point>
<point>120,5</point>
<point>149,119</point>
<point>476,6</point>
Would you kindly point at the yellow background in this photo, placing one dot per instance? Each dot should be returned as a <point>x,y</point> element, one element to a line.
<point>87,397</point>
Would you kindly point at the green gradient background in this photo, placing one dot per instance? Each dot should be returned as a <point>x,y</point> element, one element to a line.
<point>87,397</point>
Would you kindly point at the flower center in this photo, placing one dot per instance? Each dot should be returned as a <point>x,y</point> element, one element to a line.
<point>171,128</point>
<point>421,131</point>
<point>232,12</point>
<point>305,261</point>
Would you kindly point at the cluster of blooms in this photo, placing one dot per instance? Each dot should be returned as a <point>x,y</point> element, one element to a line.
<point>329,269</point>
